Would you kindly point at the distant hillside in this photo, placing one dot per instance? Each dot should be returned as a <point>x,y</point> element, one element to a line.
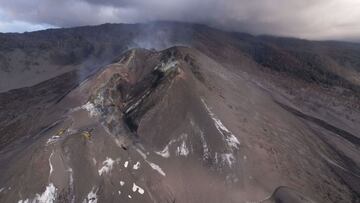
<point>30,58</point>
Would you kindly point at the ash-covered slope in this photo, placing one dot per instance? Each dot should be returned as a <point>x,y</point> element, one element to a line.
<point>175,126</point>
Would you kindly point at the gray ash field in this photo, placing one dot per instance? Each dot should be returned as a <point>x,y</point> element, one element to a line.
<point>225,117</point>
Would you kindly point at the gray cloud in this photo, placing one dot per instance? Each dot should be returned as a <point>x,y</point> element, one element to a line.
<point>314,19</point>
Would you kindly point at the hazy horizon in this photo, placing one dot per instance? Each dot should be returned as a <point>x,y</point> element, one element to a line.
<point>310,19</point>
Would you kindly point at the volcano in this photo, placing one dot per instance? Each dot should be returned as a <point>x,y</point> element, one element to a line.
<point>224,117</point>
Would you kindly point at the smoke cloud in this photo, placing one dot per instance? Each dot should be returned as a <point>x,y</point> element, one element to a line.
<point>312,19</point>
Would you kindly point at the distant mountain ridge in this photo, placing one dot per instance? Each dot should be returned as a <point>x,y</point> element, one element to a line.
<point>29,58</point>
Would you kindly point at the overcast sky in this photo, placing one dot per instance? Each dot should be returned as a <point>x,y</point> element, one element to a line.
<point>312,19</point>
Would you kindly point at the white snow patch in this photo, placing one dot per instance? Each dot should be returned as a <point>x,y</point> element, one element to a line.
<point>233,141</point>
<point>71,184</point>
<point>129,196</point>
<point>48,196</point>
<point>152,165</point>
<point>134,105</point>
<point>169,66</point>
<point>165,152</point>
<point>136,166</point>
<point>90,107</point>
<point>137,188</point>
<point>142,154</point>
<point>225,159</point>
<point>182,150</point>
<point>2,189</point>
<point>126,164</point>
<point>138,102</point>
<point>99,100</point>
<point>107,166</point>
<point>157,168</point>
<point>91,197</point>
<point>72,110</point>
<point>53,139</point>
<point>228,158</point>
<point>206,152</point>
<point>164,67</point>
<point>50,165</point>
<point>205,146</point>
<point>119,192</point>
<point>122,183</point>
<point>229,137</point>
